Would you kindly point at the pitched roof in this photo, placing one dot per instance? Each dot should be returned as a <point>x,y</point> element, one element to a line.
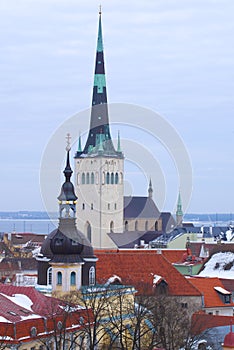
<point>129,239</point>
<point>206,286</point>
<point>202,321</point>
<point>140,207</point>
<point>138,268</point>
<point>24,237</point>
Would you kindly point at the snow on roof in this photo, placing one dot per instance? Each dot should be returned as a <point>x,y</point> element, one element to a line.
<point>21,300</point>
<point>157,278</point>
<point>3,319</point>
<point>219,265</point>
<point>222,290</point>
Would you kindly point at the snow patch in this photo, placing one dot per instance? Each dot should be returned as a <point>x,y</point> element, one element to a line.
<point>21,300</point>
<point>219,265</point>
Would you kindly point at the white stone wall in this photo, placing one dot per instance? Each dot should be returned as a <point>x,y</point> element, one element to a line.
<point>66,277</point>
<point>99,204</point>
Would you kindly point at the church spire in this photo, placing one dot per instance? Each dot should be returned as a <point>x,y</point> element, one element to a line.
<point>150,189</point>
<point>179,211</point>
<point>99,131</point>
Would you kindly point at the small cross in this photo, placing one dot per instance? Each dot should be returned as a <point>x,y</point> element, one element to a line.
<point>100,9</point>
<point>68,137</point>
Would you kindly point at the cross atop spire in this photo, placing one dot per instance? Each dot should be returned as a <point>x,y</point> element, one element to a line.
<point>68,138</point>
<point>100,9</point>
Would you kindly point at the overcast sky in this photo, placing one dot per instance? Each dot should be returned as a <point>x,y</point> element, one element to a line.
<point>175,57</point>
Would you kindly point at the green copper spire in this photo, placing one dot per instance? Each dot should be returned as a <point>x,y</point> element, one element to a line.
<point>118,146</point>
<point>79,145</point>
<point>179,211</point>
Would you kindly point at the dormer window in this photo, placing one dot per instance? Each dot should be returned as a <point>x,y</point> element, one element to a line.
<point>224,295</point>
<point>58,241</point>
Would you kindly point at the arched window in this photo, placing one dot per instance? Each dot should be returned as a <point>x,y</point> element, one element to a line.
<point>83,178</point>
<point>116,178</point>
<point>112,178</point>
<point>107,178</point>
<point>136,225</point>
<point>83,206</point>
<point>126,225</point>
<point>87,178</point>
<point>121,178</point>
<point>59,278</point>
<point>146,225</point>
<point>156,226</point>
<point>89,231</point>
<point>92,178</point>
<point>49,276</point>
<point>92,276</point>
<point>78,178</point>
<point>91,206</point>
<point>73,278</point>
<point>112,226</point>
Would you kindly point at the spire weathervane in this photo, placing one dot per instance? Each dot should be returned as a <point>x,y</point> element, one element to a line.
<point>68,138</point>
<point>100,9</point>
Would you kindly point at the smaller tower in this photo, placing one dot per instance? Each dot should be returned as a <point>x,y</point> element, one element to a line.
<point>67,261</point>
<point>150,190</point>
<point>179,212</point>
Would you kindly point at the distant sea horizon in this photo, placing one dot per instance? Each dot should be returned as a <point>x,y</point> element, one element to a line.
<point>40,222</point>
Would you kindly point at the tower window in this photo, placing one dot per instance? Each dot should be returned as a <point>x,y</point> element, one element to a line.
<point>156,226</point>
<point>116,178</point>
<point>59,278</point>
<point>112,178</point>
<point>136,226</point>
<point>83,206</point>
<point>146,225</point>
<point>92,178</point>
<point>91,206</point>
<point>87,178</point>
<point>107,178</point>
<point>83,178</point>
<point>92,276</point>
<point>115,206</point>
<point>108,206</point>
<point>126,225</point>
<point>73,278</point>
<point>112,226</point>
<point>89,231</point>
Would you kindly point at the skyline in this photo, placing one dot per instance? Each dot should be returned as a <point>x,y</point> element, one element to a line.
<point>172,58</point>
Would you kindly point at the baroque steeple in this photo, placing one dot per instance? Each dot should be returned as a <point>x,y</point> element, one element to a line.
<point>99,140</point>
<point>67,198</point>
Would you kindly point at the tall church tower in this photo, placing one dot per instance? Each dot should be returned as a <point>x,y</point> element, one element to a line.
<point>99,168</point>
<point>179,212</point>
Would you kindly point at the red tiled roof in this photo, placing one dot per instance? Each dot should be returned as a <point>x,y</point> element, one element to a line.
<point>173,255</point>
<point>206,286</point>
<point>202,321</point>
<point>138,267</point>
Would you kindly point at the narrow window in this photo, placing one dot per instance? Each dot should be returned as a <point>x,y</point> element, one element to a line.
<point>89,232</point>
<point>126,225</point>
<point>156,226</point>
<point>136,225</point>
<point>73,278</point>
<point>91,206</point>
<point>112,178</point>
<point>87,178</point>
<point>107,178</point>
<point>92,178</point>
<point>108,206</point>
<point>92,276</point>
<point>59,278</point>
<point>116,178</point>
<point>146,225</point>
<point>83,206</point>
<point>112,226</point>
<point>83,178</point>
